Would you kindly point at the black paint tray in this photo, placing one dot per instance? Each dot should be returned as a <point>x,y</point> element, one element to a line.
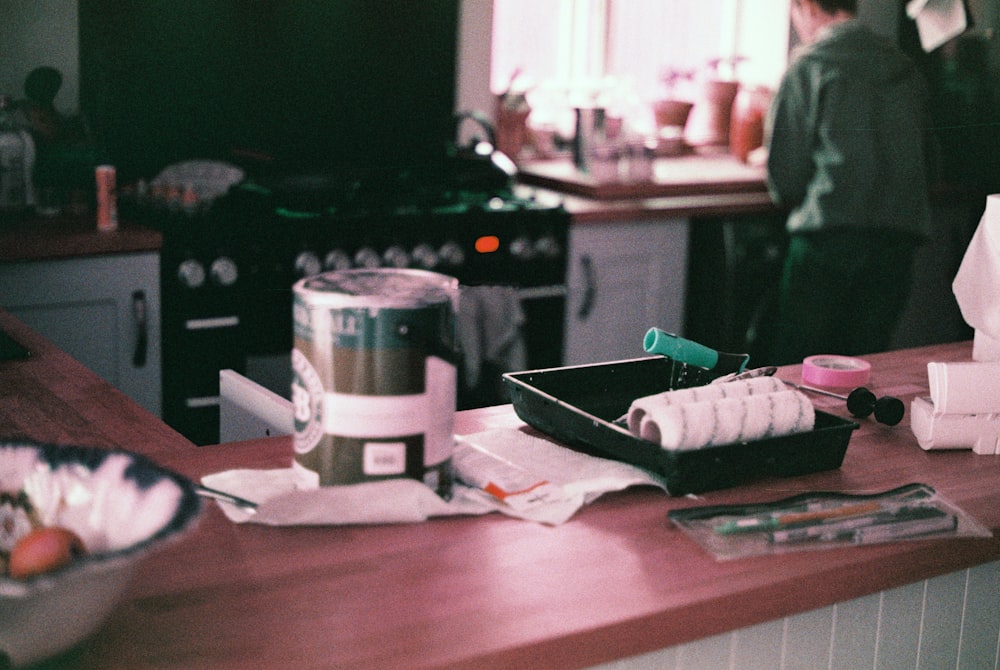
<point>578,406</point>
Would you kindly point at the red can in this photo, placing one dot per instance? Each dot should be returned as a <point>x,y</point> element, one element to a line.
<point>107,198</point>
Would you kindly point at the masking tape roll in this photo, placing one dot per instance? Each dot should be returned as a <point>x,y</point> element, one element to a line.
<point>836,371</point>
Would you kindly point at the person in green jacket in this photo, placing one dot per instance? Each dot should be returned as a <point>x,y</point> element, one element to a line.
<point>847,143</point>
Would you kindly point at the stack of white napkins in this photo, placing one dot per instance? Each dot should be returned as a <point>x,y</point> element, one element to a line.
<point>963,410</point>
<point>513,471</point>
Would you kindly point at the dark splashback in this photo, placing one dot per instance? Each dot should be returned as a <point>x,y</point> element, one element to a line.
<point>312,84</point>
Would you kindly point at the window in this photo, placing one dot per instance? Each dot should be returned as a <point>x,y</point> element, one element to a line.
<point>622,50</point>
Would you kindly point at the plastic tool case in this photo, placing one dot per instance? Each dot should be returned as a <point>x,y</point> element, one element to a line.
<point>578,405</point>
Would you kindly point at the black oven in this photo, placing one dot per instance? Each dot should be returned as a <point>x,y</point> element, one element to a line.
<point>227,277</point>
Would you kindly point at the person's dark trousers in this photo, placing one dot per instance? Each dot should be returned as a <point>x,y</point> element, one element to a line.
<point>840,293</point>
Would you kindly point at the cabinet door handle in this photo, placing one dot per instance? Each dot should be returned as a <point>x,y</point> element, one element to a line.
<point>589,288</point>
<point>141,321</point>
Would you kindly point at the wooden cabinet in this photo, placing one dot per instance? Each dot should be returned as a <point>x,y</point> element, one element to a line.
<point>102,310</point>
<point>623,278</point>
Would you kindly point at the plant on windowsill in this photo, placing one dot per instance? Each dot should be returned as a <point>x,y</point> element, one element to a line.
<point>672,109</point>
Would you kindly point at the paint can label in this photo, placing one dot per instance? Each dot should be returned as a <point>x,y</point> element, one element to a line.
<point>374,378</point>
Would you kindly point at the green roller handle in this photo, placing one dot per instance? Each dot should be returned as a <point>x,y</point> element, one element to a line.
<point>661,342</point>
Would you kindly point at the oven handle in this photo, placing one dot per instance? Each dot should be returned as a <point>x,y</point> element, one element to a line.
<point>541,292</point>
<point>589,288</point>
<point>212,323</point>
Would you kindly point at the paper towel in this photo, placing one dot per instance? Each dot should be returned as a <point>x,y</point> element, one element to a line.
<point>571,480</point>
<point>984,347</point>
<point>977,283</point>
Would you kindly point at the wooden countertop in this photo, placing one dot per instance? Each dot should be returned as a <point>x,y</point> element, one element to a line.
<point>490,591</point>
<point>51,397</point>
<point>688,174</point>
<point>39,238</point>
<point>684,186</point>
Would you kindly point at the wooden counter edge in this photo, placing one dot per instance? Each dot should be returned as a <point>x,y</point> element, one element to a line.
<point>71,237</point>
<point>81,407</point>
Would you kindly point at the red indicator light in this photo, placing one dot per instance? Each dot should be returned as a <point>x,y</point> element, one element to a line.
<point>487,244</point>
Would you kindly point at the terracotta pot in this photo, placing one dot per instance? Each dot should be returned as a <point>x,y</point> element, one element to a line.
<point>511,128</point>
<point>671,113</point>
<point>709,120</point>
<point>746,131</point>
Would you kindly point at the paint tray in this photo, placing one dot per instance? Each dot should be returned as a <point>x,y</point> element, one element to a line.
<point>578,406</point>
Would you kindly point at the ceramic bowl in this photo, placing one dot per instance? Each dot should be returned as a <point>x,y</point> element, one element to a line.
<point>121,505</point>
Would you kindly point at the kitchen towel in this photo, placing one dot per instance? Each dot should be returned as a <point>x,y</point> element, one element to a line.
<point>694,425</point>
<point>490,319</point>
<point>965,387</point>
<point>977,283</point>
<point>732,389</point>
<point>513,471</point>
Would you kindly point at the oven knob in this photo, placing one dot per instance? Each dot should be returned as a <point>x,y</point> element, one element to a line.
<point>425,257</point>
<point>366,257</point>
<point>522,249</point>
<point>396,257</point>
<point>307,264</point>
<point>191,273</point>
<point>548,246</point>
<point>337,260</point>
<point>224,271</point>
<point>451,254</point>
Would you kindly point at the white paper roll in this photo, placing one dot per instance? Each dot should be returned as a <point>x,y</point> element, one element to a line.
<point>966,387</point>
<point>933,430</point>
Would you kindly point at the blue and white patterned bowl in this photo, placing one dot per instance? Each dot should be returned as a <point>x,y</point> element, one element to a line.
<point>122,505</point>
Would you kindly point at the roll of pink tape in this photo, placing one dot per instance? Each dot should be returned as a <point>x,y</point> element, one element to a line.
<point>836,371</point>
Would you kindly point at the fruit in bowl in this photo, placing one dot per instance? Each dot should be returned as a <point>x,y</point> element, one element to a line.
<point>75,522</point>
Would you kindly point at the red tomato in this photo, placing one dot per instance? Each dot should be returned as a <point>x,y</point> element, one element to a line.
<point>42,550</point>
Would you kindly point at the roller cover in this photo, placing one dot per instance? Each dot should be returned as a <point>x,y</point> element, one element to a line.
<point>734,389</point>
<point>693,425</point>
<point>968,387</point>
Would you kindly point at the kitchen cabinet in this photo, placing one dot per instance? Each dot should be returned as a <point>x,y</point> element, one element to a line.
<point>103,310</point>
<point>623,278</point>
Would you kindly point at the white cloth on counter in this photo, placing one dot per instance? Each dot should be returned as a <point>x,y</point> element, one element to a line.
<point>977,283</point>
<point>935,430</point>
<point>542,480</point>
<point>489,326</point>
<point>738,411</point>
<point>966,387</point>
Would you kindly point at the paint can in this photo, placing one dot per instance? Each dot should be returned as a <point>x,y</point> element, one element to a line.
<point>374,377</point>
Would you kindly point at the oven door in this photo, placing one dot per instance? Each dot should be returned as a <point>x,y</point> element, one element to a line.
<point>196,349</point>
